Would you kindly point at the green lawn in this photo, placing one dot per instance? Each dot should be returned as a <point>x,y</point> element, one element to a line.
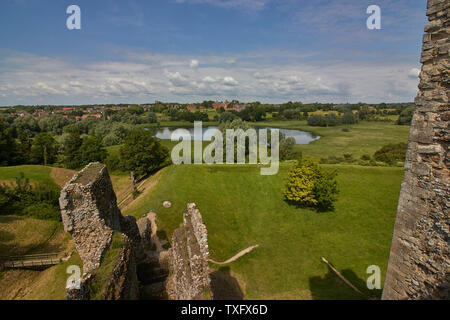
<point>242,208</point>
<point>33,173</point>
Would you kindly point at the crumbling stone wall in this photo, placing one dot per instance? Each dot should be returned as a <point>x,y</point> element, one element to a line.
<point>123,282</point>
<point>419,262</point>
<point>188,259</point>
<point>90,214</point>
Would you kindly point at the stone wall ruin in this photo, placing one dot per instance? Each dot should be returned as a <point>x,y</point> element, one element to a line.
<point>419,262</point>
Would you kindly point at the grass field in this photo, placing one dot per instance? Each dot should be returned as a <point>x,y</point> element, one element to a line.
<point>242,208</point>
<point>33,173</point>
<point>365,137</point>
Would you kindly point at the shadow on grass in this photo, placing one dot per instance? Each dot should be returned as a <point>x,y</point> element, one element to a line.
<point>319,209</point>
<point>224,286</point>
<point>331,287</point>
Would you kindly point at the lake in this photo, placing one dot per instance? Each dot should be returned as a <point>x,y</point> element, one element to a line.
<point>301,137</point>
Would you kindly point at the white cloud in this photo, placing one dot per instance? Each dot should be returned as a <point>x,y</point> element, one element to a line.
<point>229,81</point>
<point>209,79</point>
<point>194,64</point>
<point>32,79</point>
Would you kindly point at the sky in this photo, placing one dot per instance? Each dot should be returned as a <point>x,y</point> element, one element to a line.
<point>272,51</point>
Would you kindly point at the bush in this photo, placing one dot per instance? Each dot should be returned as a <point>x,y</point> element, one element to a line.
<point>39,201</point>
<point>348,118</point>
<point>43,211</point>
<point>406,116</point>
<point>391,153</point>
<point>328,120</point>
<point>308,185</point>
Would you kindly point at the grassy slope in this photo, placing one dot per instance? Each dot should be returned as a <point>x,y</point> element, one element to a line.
<point>242,208</point>
<point>33,173</point>
<point>23,235</point>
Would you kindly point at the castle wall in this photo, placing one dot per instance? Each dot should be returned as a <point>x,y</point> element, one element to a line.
<point>188,259</point>
<point>419,262</point>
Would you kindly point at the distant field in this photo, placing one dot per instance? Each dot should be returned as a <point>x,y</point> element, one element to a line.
<point>365,137</point>
<point>242,208</point>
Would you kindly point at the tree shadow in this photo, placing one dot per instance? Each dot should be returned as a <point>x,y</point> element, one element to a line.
<point>331,287</point>
<point>224,286</point>
<point>318,209</point>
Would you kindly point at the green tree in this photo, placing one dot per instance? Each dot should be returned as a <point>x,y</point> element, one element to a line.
<point>309,185</point>
<point>44,149</point>
<point>71,149</point>
<point>142,153</point>
<point>8,145</point>
<point>406,116</point>
<point>286,147</point>
<point>227,117</point>
<point>92,150</point>
<point>348,118</point>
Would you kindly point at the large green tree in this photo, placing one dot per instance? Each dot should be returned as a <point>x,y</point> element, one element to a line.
<point>8,145</point>
<point>92,150</point>
<point>44,149</point>
<point>142,153</point>
<point>71,149</point>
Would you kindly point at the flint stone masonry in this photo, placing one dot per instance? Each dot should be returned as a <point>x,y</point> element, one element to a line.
<point>419,262</point>
<point>90,214</point>
<point>123,283</point>
<point>188,259</point>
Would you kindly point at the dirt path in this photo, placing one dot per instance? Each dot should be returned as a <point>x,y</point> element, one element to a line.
<point>237,256</point>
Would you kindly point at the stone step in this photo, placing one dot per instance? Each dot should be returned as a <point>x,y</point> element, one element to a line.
<point>154,291</point>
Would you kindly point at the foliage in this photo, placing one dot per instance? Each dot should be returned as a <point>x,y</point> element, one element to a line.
<point>44,149</point>
<point>227,117</point>
<point>142,153</point>
<point>391,153</point>
<point>92,150</point>
<point>328,120</point>
<point>286,147</point>
<point>8,145</point>
<point>308,185</point>
<point>38,201</point>
<point>71,145</point>
<point>348,118</point>
<point>406,116</point>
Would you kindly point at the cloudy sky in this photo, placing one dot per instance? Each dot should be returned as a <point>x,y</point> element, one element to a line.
<point>192,50</point>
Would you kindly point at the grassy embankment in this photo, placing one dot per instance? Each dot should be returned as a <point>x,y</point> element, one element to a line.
<point>20,235</point>
<point>242,208</point>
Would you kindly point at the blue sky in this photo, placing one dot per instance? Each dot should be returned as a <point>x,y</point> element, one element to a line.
<point>191,50</point>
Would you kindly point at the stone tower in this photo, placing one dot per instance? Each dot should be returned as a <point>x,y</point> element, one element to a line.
<point>419,262</point>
